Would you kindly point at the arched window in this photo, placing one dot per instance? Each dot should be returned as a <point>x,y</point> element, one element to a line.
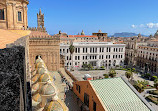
<point>38,56</point>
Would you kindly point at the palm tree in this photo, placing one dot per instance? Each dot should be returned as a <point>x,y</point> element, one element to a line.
<point>129,74</point>
<point>112,73</point>
<point>71,49</point>
<point>90,66</point>
<point>156,83</point>
<point>139,86</point>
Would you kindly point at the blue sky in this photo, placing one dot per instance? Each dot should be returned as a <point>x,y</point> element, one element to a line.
<point>111,16</point>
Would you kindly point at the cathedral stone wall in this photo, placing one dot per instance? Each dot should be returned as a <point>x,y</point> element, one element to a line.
<point>12,97</point>
<point>23,41</point>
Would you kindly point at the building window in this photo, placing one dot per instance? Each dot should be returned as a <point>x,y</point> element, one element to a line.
<point>78,88</point>
<point>78,50</point>
<point>75,50</point>
<point>1,14</point>
<point>86,99</point>
<point>94,106</point>
<point>75,57</point>
<point>19,16</point>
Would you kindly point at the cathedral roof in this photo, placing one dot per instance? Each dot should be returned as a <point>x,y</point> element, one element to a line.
<point>47,89</point>
<point>55,105</point>
<point>9,36</point>
<point>44,78</point>
<point>42,70</point>
<point>35,77</point>
<point>37,97</point>
<point>40,65</point>
<point>35,86</point>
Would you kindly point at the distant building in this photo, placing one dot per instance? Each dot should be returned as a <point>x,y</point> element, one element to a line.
<point>147,58</point>
<point>114,94</point>
<point>132,44</point>
<point>95,37</point>
<point>101,36</point>
<point>95,53</point>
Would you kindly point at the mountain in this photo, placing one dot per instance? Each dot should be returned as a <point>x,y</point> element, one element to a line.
<point>126,34</point>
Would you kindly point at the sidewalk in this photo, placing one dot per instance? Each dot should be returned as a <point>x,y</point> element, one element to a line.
<point>71,101</point>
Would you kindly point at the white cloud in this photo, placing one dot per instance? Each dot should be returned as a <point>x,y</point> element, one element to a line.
<point>150,25</point>
<point>156,25</point>
<point>133,26</point>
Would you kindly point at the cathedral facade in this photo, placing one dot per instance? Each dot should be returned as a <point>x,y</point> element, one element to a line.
<point>13,14</point>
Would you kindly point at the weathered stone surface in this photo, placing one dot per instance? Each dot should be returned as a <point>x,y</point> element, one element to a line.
<point>12,78</point>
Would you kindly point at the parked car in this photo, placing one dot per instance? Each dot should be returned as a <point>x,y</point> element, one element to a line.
<point>87,77</point>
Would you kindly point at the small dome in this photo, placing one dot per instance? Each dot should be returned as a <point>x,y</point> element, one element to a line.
<point>42,71</point>
<point>99,31</point>
<point>44,78</point>
<point>33,73</point>
<point>82,33</point>
<point>35,86</point>
<point>35,78</point>
<point>37,97</point>
<point>39,59</point>
<point>40,65</point>
<point>54,106</point>
<point>47,89</point>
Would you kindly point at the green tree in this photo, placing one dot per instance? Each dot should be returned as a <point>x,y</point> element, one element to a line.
<point>89,66</point>
<point>140,85</point>
<point>133,69</point>
<point>71,49</point>
<point>129,74</point>
<point>84,66</point>
<point>112,73</point>
<point>156,83</point>
<point>106,76</point>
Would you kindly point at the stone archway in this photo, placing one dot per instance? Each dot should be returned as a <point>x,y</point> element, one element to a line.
<point>38,56</point>
<point>49,50</point>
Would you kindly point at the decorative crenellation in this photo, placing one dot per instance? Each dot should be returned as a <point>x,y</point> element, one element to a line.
<point>38,29</point>
<point>44,37</point>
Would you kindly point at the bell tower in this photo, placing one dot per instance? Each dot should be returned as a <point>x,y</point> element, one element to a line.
<point>40,19</point>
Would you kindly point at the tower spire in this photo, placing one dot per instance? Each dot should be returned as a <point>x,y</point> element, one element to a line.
<point>40,11</point>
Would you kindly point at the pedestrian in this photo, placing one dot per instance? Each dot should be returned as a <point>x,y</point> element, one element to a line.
<point>62,80</point>
<point>64,97</point>
<point>65,90</point>
<point>54,78</point>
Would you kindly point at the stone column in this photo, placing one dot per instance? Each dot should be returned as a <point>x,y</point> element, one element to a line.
<point>10,16</point>
<point>25,24</point>
<point>14,16</point>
